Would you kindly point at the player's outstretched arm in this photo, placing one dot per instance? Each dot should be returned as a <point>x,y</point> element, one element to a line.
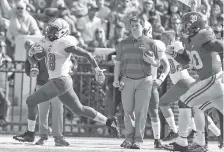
<point>82,52</point>
<point>100,77</point>
<point>28,45</point>
<point>214,45</point>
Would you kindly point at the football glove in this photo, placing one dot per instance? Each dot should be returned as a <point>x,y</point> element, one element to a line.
<point>99,75</point>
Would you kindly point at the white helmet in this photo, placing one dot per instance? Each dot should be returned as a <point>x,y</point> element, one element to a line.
<point>56,29</point>
<point>147,29</point>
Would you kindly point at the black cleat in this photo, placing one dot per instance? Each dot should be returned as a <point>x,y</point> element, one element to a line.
<point>175,147</point>
<point>172,135</point>
<point>220,140</point>
<point>113,124</point>
<point>157,144</point>
<point>28,136</point>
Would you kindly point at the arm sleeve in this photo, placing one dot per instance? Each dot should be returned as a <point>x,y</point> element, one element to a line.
<point>182,58</point>
<point>214,45</point>
<point>119,52</point>
<point>69,42</point>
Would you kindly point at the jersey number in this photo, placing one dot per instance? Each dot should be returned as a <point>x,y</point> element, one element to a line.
<point>51,61</point>
<point>174,69</point>
<point>196,60</point>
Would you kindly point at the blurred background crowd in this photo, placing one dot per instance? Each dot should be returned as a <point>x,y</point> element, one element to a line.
<point>96,24</point>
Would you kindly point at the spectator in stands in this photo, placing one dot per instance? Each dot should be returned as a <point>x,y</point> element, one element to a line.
<point>175,25</point>
<point>104,11</point>
<point>149,12</point>
<point>4,89</point>
<point>173,12</point>
<point>119,34</point>
<point>215,12</point>
<point>218,30</point>
<point>99,40</point>
<point>21,23</point>
<point>122,13</point>
<point>87,25</point>
<point>158,29</point>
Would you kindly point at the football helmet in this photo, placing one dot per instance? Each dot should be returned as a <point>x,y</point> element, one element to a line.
<point>193,22</point>
<point>56,29</point>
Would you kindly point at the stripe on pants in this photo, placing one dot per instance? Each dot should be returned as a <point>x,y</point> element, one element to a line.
<point>200,91</point>
<point>204,105</point>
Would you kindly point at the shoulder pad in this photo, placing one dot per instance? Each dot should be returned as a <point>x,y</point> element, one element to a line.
<point>68,41</point>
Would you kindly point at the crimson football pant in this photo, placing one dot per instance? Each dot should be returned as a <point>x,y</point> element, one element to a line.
<point>63,89</point>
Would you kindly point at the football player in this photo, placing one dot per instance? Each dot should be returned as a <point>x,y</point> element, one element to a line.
<point>154,101</point>
<point>59,47</point>
<point>182,82</point>
<point>208,90</point>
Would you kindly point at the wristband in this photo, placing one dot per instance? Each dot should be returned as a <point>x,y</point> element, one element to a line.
<point>162,77</point>
<point>97,69</point>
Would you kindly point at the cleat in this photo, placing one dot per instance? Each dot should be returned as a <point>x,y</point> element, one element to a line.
<point>126,145</point>
<point>172,135</point>
<point>60,141</point>
<point>28,136</point>
<point>113,124</point>
<point>41,141</point>
<point>136,145</point>
<point>176,147</point>
<point>157,144</point>
<point>220,140</point>
<point>196,148</point>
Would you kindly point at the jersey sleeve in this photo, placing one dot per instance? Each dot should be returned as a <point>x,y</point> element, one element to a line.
<point>69,41</point>
<point>205,36</point>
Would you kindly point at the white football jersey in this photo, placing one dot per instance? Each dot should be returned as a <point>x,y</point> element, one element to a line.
<point>58,61</point>
<point>176,71</point>
<point>161,54</point>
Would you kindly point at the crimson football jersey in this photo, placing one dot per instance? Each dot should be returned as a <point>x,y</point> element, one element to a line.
<point>206,62</point>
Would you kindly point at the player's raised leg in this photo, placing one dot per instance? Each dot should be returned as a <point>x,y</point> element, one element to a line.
<point>71,100</point>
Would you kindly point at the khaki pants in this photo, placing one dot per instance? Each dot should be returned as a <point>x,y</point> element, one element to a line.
<point>57,117</point>
<point>136,95</point>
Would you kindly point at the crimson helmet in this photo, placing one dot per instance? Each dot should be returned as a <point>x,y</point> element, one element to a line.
<point>193,22</point>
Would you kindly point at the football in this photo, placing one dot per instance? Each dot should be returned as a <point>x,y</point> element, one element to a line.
<point>40,55</point>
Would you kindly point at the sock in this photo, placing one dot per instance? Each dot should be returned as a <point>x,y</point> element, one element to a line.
<point>200,138</point>
<point>100,118</point>
<point>31,125</point>
<point>193,126</point>
<point>183,121</point>
<point>214,129</point>
<point>156,129</point>
<point>171,123</point>
<point>199,118</point>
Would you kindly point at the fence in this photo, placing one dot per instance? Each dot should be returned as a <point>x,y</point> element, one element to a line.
<point>88,90</point>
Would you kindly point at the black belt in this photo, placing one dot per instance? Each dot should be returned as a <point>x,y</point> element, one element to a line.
<point>137,78</point>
